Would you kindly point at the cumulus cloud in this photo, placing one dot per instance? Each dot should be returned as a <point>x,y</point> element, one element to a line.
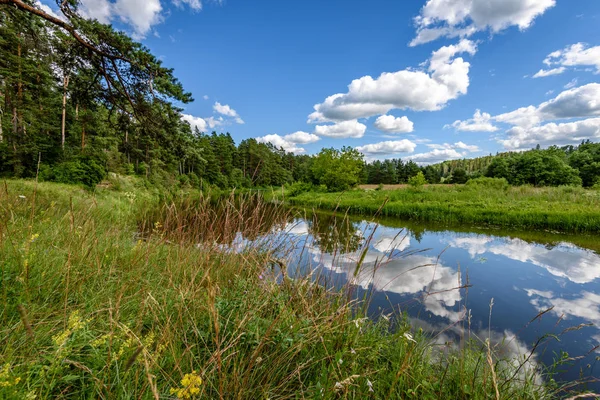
<point>302,137</point>
<point>463,18</point>
<point>290,142</point>
<point>435,156</point>
<point>481,122</point>
<point>575,55</point>
<point>195,122</point>
<point>140,15</point>
<point>552,134</point>
<point>225,109</point>
<point>389,147</point>
<point>391,124</point>
<point>446,78</point>
<point>542,124</point>
<point>281,142</point>
<point>345,129</point>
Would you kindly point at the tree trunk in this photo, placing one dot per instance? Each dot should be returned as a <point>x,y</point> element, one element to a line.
<point>82,128</point>
<point>64,109</point>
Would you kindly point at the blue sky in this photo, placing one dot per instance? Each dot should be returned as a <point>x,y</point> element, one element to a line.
<point>257,69</point>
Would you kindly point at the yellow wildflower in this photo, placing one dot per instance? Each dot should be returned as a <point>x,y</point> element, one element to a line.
<point>190,386</point>
<point>5,377</point>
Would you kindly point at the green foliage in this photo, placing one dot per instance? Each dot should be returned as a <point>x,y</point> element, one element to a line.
<point>83,170</point>
<point>459,176</point>
<point>298,188</point>
<point>418,180</point>
<point>339,170</point>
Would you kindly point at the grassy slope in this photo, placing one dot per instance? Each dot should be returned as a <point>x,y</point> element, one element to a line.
<point>88,311</point>
<point>564,209</point>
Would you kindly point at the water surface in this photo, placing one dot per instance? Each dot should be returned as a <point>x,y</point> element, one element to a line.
<point>446,280</point>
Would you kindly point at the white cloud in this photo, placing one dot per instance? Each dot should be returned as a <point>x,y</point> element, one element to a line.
<point>528,128</point>
<point>446,78</point>
<point>205,97</point>
<point>391,124</point>
<point>583,101</point>
<point>102,10</point>
<point>519,138</point>
<point>524,116</point>
<point>435,156</point>
<point>469,148</point>
<point>575,55</point>
<point>481,122</point>
<point>195,122</point>
<point>279,141</point>
<point>463,18</point>
<point>140,15</point>
<point>225,109</point>
<point>302,137</point>
<point>542,73</point>
<point>389,147</point>
<point>455,146</point>
<point>345,129</point>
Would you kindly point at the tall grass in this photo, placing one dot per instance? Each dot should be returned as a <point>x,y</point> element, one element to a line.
<point>110,296</point>
<point>565,209</point>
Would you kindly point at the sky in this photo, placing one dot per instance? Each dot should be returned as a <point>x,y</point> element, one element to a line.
<point>426,80</point>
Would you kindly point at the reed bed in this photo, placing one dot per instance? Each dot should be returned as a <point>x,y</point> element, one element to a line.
<point>125,296</point>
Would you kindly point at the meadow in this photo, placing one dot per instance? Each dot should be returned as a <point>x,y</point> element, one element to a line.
<point>563,209</point>
<point>129,293</point>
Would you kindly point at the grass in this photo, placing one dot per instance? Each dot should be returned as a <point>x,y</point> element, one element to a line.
<point>109,296</point>
<point>563,209</point>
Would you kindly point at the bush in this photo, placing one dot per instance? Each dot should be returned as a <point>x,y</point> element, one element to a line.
<point>298,188</point>
<point>85,171</point>
<point>418,180</point>
<point>493,183</point>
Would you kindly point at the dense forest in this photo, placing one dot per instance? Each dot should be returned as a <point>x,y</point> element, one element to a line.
<point>79,99</point>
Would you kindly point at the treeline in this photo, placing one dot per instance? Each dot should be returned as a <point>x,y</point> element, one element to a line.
<point>555,166</point>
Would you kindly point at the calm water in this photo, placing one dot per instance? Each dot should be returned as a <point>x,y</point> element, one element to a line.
<point>424,272</point>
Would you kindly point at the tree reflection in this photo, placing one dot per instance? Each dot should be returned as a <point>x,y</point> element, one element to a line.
<point>333,233</point>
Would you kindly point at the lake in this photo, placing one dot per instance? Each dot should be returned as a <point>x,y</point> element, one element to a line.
<point>521,290</point>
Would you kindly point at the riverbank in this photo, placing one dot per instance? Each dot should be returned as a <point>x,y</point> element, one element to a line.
<point>108,295</point>
<point>562,209</point>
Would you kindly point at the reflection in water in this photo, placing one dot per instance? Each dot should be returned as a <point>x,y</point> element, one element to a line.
<point>399,266</point>
<point>564,260</point>
<point>332,233</point>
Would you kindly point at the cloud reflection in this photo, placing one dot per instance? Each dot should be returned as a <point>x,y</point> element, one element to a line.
<point>564,260</point>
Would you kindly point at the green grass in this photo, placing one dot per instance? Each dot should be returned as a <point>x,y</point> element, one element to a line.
<point>564,209</point>
<point>108,296</point>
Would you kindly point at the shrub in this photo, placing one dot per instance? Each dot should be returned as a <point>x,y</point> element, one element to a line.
<point>493,183</point>
<point>298,188</point>
<point>418,180</point>
<point>85,171</point>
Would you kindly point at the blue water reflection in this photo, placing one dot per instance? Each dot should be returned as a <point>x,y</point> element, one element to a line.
<point>446,281</point>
